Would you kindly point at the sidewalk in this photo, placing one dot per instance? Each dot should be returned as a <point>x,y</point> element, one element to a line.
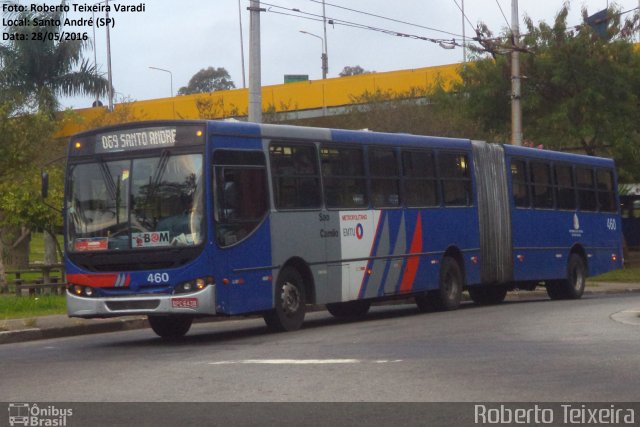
<point>56,326</point>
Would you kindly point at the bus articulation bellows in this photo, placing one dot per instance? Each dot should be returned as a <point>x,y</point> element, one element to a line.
<point>181,219</point>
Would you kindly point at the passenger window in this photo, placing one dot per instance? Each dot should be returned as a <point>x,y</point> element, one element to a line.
<point>345,184</point>
<point>296,180</point>
<point>385,180</point>
<point>565,188</point>
<point>606,193</point>
<point>456,181</point>
<point>587,200</point>
<point>519,184</point>
<point>420,182</point>
<point>240,197</point>
<point>542,190</point>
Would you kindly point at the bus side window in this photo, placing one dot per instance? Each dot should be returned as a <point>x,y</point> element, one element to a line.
<point>385,177</point>
<point>606,195</point>
<point>240,198</point>
<point>565,187</point>
<point>587,199</point>
<point>296,179</point>
<point>519,181</point>
<point>542,191</point>
<point>345,184</point>
<point>456,181</point>
<point>420,181</point>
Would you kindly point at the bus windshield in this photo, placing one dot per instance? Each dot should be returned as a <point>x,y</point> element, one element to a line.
<point>144,203</point>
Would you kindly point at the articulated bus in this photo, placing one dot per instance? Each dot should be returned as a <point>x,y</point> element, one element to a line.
<point>182,219</point>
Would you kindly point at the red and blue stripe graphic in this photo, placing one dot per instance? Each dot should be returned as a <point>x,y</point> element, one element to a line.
<point>395,260</point>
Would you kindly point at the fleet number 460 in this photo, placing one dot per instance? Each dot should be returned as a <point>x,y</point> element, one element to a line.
<point>611,223</point>
<point>158,278</point>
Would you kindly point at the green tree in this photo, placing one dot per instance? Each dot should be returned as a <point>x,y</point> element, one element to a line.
<point>43,69</point>
<point>21,154</point>
<point>580,92</point>
<point>208,80</point>
<point>38,66</point>
<point>353,71</point>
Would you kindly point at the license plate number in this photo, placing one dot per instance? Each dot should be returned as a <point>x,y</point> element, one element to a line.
<point>184,302</point>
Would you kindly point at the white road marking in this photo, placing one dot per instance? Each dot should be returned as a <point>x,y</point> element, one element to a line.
<point>286,362</point>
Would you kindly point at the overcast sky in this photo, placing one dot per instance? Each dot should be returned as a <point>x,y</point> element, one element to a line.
<point>188,35</point>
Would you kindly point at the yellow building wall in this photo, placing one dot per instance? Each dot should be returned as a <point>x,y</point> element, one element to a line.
<point>309,95</point>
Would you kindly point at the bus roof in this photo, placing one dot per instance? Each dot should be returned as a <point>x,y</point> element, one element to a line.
<point>334,135</point>
<point>537,153</point>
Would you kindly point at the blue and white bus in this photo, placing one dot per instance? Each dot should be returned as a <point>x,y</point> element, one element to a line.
<point>182,219</point>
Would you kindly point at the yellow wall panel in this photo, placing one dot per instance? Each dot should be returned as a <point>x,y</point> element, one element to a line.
<point>331,92</point>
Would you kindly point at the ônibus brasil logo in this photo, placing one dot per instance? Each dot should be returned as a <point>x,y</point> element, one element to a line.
<point>31,415</point>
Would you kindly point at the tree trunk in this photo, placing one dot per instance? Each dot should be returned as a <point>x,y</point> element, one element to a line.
<point>15,248</point>
<point>50,248</point>
<point>3,275</point>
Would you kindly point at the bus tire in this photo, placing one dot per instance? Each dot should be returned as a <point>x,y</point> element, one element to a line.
<point>350,309</point>
<point>573,286</point>
<point>487,295</point>
<point>449,294</point>
<point>289,301</point>
<point>170,327</point>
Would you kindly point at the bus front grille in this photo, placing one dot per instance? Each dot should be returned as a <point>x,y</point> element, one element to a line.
<point>150,304</point>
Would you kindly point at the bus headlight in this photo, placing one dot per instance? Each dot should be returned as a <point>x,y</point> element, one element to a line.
<point>82,291</point>
<point>194,285</point>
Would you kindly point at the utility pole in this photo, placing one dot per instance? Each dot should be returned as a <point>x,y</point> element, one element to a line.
<point>255,83</point>
<point>516,107</point>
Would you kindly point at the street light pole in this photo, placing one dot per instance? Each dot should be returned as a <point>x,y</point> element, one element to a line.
<point>325,52</point>
<point>244,80</point>
<point>170,76</point>
<point>324,55</point>
<point>110,75</point>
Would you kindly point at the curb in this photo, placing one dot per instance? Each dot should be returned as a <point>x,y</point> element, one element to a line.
<point>33,334</point>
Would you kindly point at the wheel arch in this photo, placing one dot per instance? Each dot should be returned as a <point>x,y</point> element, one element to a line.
<point>579,250</point>
<point>455,253</point>
<point>307,276</point>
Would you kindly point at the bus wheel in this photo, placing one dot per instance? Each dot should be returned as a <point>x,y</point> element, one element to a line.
<point>170,327</point>
<point>289,300</point>
<point>449,294</point>
<point>487,295</point>
<point>350,309</point>
<point>573,286</point>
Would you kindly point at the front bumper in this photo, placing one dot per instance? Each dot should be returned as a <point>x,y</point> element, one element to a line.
<point>201,303</point>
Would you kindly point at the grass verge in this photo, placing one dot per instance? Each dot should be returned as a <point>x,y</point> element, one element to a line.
<point>13,307</point>
<point>625,275</point>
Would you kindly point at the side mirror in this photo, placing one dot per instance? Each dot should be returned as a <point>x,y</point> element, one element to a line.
<point>44,189</point>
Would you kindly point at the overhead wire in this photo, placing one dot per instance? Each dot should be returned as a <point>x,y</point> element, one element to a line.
<point>295,12</point>
<point>386,18</point>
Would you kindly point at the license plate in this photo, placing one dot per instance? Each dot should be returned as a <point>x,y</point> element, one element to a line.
<point>184,302</point>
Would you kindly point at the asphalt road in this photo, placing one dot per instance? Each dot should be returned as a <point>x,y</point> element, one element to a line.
<point>536,350</point>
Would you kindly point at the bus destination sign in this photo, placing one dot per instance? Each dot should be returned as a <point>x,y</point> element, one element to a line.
<point>135,139</point>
